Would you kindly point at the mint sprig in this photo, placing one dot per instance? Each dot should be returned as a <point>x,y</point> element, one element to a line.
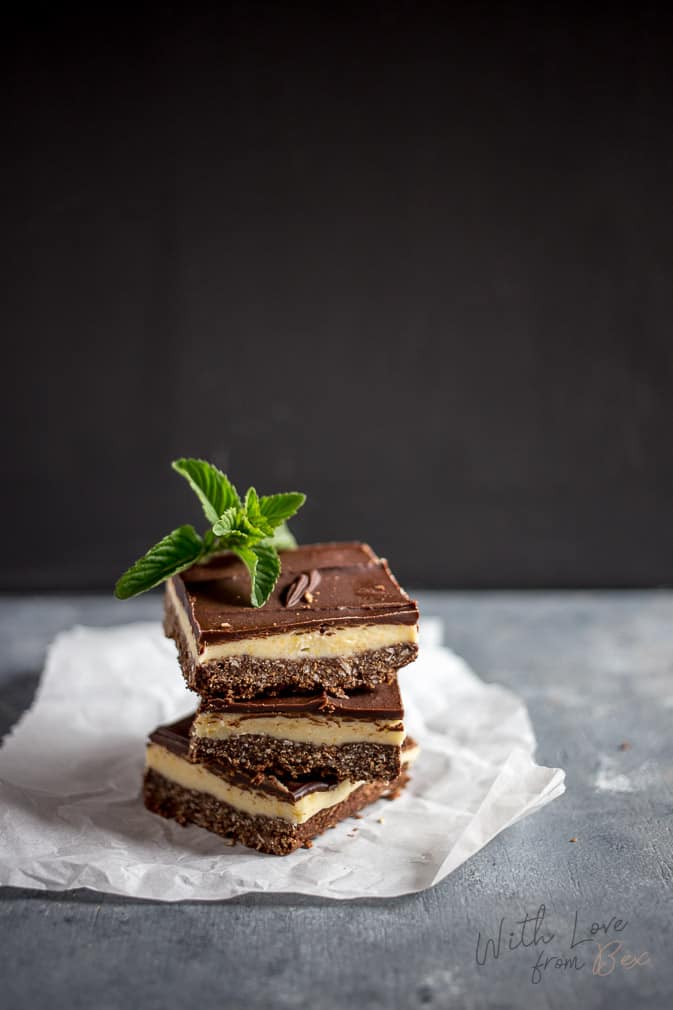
<point>254,529</point>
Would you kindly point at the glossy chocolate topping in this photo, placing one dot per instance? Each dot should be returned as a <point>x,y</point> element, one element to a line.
<point>355,587</point>
<point>382,702</point>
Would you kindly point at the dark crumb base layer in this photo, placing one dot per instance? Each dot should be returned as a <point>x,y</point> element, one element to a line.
<point>361,762</point>
<point>267,834</point>
<point>241,677</point>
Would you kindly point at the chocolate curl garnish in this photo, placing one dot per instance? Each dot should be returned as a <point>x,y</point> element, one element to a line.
<point>302,586</point>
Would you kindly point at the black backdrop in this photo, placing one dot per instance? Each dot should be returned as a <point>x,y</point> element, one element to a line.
<point>416,262</point>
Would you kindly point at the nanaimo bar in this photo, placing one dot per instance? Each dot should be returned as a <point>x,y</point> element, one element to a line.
<point>270,813</point>
<point>336,622</point>
<point>356,737</point>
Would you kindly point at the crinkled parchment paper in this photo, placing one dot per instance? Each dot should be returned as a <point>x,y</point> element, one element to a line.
<point>71,814</point>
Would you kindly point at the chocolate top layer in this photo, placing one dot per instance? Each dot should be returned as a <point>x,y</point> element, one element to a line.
<point>383,702</point>
<point>175,738</point>
<point>355,587</point>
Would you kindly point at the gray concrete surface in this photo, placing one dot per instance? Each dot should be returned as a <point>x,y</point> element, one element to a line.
<point>596,670</point>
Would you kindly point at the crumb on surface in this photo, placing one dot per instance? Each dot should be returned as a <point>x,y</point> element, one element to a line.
<point>572,839</point>
<point>624,745</point>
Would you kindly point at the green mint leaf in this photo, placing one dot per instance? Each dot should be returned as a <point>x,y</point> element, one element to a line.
<point>253,532</point>
<point>226,522</point>
<point>173,554</point>
<point>282,538</point>
<point>253,513</point>
<point>233,528</point>
<point>251,502</point>
<point>213,488</point>
<point>276,508</point>
<point>263,564</point>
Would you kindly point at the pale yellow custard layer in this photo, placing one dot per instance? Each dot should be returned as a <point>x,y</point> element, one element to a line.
<point>328,731</point>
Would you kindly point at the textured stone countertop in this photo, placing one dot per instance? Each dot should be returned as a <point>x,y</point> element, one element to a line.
<point>596,670</point>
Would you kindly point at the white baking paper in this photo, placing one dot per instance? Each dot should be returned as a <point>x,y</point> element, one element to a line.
<point>71,813</point>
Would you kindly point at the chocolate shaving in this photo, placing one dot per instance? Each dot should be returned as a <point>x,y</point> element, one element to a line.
<point>295,591</point>
<point>303,585</point>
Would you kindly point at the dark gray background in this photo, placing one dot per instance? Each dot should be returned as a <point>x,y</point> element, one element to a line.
<point>416,264</point>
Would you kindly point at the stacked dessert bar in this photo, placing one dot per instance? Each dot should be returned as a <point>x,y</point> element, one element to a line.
<point>301,721</point>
